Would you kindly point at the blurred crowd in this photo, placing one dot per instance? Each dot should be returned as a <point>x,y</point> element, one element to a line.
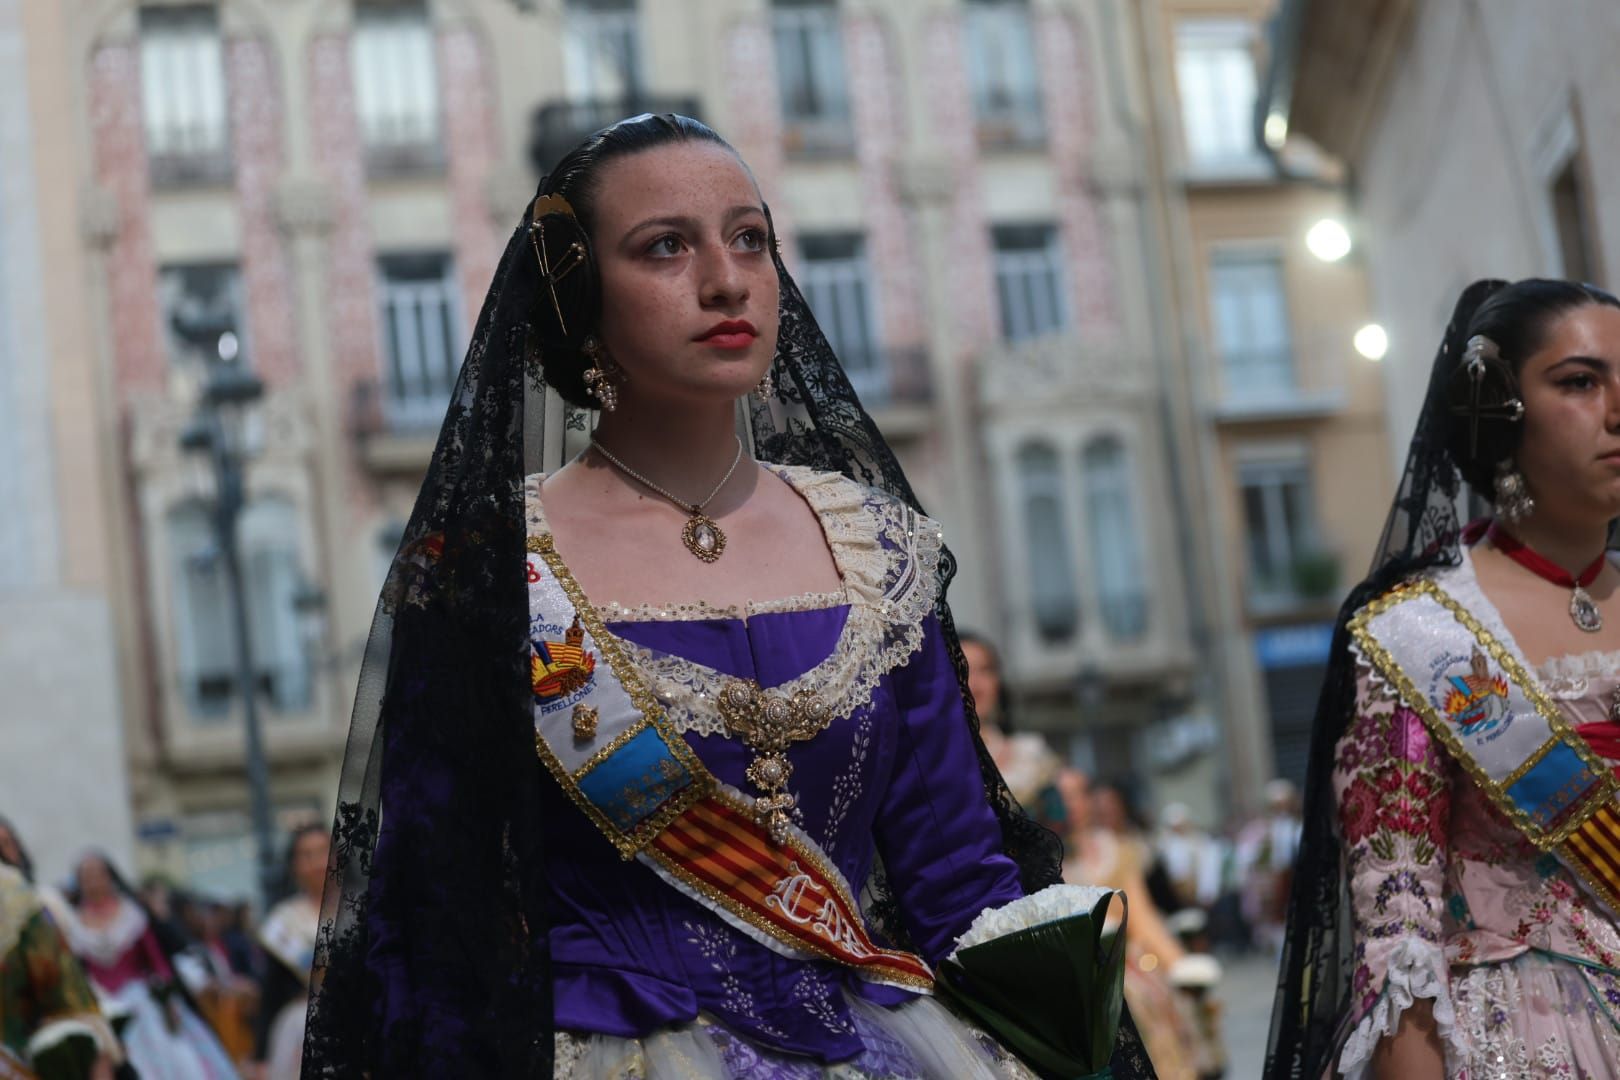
<point>104,978</point>
<point>1191,893</point>
<point>176,984</point>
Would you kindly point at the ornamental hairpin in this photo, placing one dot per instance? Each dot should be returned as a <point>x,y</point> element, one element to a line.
<point>572,257</point>
<point>1478,355</point>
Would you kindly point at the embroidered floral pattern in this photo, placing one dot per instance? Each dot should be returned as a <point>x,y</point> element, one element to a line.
<point>1453,905</point>
<point>846,789</point>
<point>720,949</point>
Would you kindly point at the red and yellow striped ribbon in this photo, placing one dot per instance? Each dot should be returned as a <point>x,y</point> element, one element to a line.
<point>1594,848</point>
<point>785,890</point>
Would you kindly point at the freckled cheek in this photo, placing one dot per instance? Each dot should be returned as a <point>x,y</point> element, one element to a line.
<point>641,315</point>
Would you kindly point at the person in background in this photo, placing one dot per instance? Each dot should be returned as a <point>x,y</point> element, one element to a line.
<point>1191,857</point>
<point>1026,762</point>
<point>51,1027</point>
<point>1266,849</point>
<point>1116,810</point>
<point>12,852</point>
<point>1098,856</point>
<point>241,944</point>
<point>288,939</point>
<point>227,1000</point>
<point>116,940</point>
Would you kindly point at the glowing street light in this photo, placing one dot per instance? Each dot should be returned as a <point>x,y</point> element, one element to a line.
<point>1372,342</point>
<point>1328,240</point>
<point>1276,130</point>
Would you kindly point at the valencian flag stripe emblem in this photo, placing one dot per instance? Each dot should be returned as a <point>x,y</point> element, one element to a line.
<point>786,890</point>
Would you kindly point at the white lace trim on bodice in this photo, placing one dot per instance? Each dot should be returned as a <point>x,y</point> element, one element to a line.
<point>1572,675</point>
<point>613,611</point>
<point>887,556</point>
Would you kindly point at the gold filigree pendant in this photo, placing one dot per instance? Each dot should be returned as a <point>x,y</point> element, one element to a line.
<point>703,537</point>
<point>584,722</point>
<point>769,723</point>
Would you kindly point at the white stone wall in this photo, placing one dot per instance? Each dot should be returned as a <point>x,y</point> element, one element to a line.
<point>1454,174</point>
<point>62,775</point>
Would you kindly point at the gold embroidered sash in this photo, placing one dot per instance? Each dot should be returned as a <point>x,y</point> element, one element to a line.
<point>1480,702</point>
<point>604,738</point>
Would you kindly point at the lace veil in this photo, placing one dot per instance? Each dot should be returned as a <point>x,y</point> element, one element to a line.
<point>1423,530</point>
<point>432,958</point>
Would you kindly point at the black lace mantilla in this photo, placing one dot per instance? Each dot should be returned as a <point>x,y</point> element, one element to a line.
<point>1423,530</point>
<point>432,959</point>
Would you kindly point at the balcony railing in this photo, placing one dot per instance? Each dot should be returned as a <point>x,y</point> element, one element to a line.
<point>190,168</point>
<point>1309,581</point>
<point>1279,383</point>
<point>559,126</point>
<point>821,138</point>
<point>1016,125</point>
<point>889,378</point>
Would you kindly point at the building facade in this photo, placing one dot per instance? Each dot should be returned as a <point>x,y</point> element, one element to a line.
<point>1280,420</point>
<point>1478,135</point>
<point>988,204</point>
<point>62,725</point>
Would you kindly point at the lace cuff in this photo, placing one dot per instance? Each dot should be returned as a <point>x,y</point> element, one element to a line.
<point>1417,969</point>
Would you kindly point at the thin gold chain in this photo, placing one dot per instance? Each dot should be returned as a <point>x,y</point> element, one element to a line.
<point>689,507</point>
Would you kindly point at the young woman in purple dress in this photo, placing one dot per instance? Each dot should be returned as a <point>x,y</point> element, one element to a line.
<point>663,762</point>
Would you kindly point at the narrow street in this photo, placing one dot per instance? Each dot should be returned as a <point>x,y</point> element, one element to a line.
<point>1246,996</point>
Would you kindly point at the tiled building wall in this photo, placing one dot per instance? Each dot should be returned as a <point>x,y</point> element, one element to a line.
<point>257,133</point>
<point>119,154</point>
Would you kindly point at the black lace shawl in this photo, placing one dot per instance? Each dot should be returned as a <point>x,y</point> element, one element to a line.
<point>1423,530</point>
<point>432,959</point>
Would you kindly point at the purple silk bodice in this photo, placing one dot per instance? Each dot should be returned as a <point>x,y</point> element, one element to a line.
<point>897,779</point>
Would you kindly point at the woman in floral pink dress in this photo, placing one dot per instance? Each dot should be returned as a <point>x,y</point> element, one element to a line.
<point>1455,913</point>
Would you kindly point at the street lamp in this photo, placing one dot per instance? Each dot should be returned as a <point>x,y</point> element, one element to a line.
<point>217,429</point>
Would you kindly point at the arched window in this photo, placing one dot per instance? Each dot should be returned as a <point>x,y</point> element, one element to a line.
<point>1105,476</point>
<point>205,629</point>
<point>205,655</point>
<point>1054,597</point>
<point>271,576</point>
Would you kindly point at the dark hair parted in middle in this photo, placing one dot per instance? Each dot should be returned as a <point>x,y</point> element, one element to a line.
<point>559,329</point>
<point>1517,318</point>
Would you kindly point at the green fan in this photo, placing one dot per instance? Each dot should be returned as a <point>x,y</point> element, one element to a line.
<point>1052,993</point>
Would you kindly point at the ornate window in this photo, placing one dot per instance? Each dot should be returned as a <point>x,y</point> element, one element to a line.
<point>1116,543</point>
<point>1030,283</point>
<point>1279,523</point>
<point>1002,68</point>
<point>396,86</point>
<point>601,50</point>
<point>810,76</point>
<point>205,633</point>
<point>837,284</point>
<point>183,95</point>
<point>1215,73</point>
<point>421,324</point>
<point>1250,314</point>
<point>1054,596</point>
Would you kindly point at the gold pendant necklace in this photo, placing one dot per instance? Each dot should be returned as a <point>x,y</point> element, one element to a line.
<point>702,535</point>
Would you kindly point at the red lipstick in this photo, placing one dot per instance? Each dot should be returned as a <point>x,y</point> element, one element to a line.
<point>731,334</point>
